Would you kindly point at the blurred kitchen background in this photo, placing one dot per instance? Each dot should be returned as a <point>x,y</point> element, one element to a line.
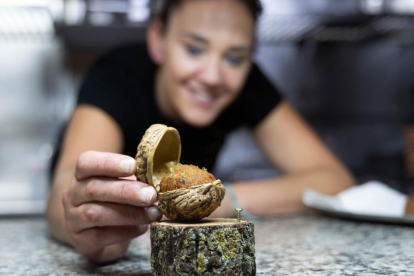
<point>347,65</point>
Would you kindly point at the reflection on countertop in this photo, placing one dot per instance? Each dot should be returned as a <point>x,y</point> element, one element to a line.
<point>309,244</point>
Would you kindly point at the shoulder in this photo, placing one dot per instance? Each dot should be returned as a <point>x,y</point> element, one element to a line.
<point>120,69</point>
<point>130,57</point>
<point>120,83</point>
<point>125,53</point>
<point>257,80</point>
<point>259,96</point>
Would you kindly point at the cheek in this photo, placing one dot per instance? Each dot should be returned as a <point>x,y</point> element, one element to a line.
<point>181,66</point>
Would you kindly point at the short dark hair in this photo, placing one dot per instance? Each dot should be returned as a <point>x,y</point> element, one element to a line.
<point>162,9</point>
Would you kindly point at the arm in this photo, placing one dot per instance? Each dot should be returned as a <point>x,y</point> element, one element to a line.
<point>85,128</point>
<point>90,206</point>
<point>299,154</point>
<point>409,151</point>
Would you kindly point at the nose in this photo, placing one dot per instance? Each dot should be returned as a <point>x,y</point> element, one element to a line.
<point>211,72</point>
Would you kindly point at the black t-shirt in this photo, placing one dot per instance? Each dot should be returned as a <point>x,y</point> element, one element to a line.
<point>122,84</point>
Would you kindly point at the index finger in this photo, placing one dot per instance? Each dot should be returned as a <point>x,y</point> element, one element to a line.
<point>111,190</point>
<point>96,163</point>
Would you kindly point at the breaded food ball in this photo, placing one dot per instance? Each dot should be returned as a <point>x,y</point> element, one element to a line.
<point>185,176</point>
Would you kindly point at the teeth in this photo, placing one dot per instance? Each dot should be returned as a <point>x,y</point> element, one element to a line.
<point>203,96</point>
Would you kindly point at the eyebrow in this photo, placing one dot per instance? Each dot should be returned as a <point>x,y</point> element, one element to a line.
<point>241,49</point>
<point>196,38</point>
<point>201,39</point>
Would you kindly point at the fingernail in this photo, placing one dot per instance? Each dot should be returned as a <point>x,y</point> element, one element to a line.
<point>142,228</point>
<point>146,194</point>
<point>127,165</point>
<point>153,213</point>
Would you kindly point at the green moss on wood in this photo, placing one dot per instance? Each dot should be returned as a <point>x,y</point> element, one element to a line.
<point>206,250</point>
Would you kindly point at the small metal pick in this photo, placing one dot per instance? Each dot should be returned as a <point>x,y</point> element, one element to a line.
<point>238,211</point>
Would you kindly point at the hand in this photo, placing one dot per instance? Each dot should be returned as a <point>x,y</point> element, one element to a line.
<point>225,210</point>
<point>103,212</point>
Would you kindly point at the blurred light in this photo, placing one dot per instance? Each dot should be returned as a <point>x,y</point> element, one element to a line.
<point>373,6</point>
<point>402,6</point>
<point>75,12</point>
<point>29,24</point>
<point>119,6</point>
<point>138,15</point>
<point>25,3</point>
<point>57,8</point>
<point>388,6</point>
<point>139,11</point>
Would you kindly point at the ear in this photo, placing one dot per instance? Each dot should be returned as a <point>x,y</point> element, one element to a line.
<point>155,41</point>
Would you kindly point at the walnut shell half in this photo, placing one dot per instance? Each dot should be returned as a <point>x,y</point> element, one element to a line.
<point>192,203</point>
<point>159,150</point>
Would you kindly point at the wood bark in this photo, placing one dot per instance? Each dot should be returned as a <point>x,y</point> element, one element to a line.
<point>209,247</point>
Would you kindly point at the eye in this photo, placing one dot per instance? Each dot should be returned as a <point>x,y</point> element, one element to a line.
<point>234,61</point>
<point>194,51</point>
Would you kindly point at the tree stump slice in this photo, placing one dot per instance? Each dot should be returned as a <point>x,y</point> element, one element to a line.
<point>208,247</point>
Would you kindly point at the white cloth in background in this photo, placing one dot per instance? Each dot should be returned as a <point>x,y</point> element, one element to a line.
<point>372,198</point>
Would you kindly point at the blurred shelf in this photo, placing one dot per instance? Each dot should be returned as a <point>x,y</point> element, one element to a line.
<point>93,38</point>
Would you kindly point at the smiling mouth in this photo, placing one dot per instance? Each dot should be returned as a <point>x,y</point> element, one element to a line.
<point>202,98</point>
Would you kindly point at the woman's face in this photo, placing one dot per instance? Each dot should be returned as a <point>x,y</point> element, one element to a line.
<point>204,56</point>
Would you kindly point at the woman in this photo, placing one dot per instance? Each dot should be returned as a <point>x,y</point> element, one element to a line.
<point>197,76</point>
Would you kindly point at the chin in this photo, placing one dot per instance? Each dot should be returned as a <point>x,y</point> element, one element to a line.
<point>199,120</point>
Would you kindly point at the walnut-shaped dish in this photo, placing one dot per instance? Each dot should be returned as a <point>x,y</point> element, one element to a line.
<point>185,192</point>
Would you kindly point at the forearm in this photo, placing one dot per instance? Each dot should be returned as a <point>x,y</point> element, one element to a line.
<point>55,213</point>
<point>409,151</point>
<point>284,195</point>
